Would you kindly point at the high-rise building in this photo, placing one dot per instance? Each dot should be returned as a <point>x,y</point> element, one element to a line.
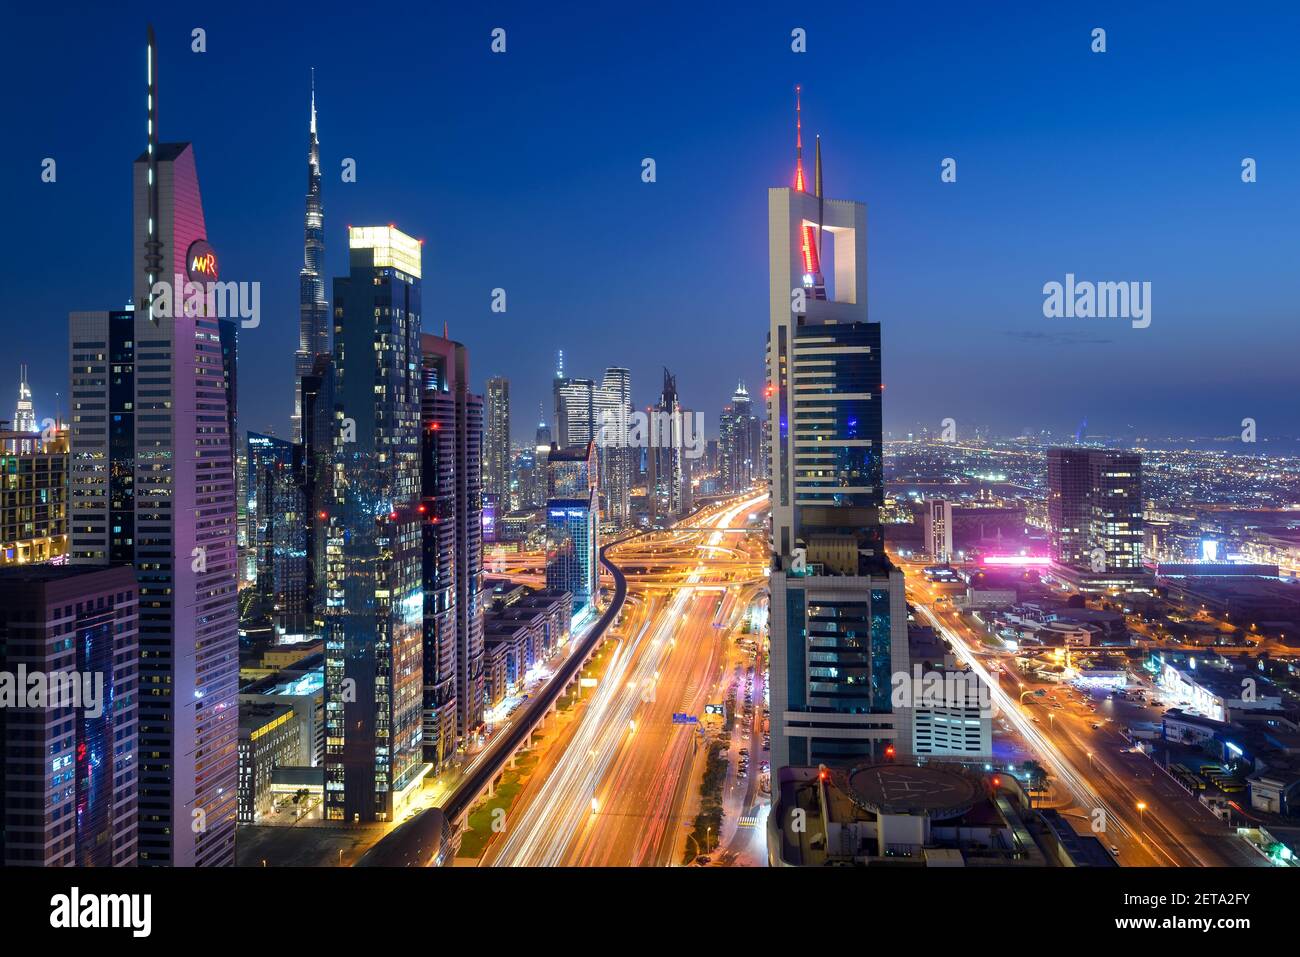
<point>668,466</point>
<point>374,615</point>
<point>69,768</point>
<point>451,497</point>
<point>34,496</point>
<point>313,310</point>
<point>318,433</point>
<point>572,526</point>
<point>938,530</point>
<point>151,444</point>
<point>737,442</point>
<point>496,445</point>
<point>24,414</point>
<point>1094,509</point>
<point>279,534</point>
<point>613,406</point>
<point>838,613</point>
<point>575,411</point>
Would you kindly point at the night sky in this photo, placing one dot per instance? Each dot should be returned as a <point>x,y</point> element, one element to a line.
<point>522,171</point>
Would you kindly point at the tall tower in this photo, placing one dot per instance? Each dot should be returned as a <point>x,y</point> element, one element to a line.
<point>613,407</point>
<point>839,618</point>
<point>313,310</point>
<point>162,498</point>
<point>496,453</point>
<point>374,616</point>
<point>24,416</point>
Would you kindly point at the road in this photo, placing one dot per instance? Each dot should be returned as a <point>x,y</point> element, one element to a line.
<point>1148,818</point>
<point>611,790</point>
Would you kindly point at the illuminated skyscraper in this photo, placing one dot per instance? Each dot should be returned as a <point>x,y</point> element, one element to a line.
<point>24,415</point>
<point>838,614</point>
<point>496,445</point>
<point>374,616</point>
<point>313,310</point>
<point>613,407</point>
<point>1094,507</point>
<point>938,530</point>
<point>668,466</point>
<point>452,530</point>
<point>279,534</point>
<point>737,442</point>
<point>69,771</point>
<point>572,524</point>
<point>153,485</point>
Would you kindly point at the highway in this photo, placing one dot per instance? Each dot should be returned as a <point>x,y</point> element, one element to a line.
<point>611,789</point>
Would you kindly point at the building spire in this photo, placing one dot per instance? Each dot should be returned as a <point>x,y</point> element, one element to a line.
<point>798,142</point>
<point>820,198</point>
<point>152,245</point>
<point>313,101</point>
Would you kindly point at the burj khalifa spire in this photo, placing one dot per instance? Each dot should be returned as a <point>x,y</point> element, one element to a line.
<point>313,311</point>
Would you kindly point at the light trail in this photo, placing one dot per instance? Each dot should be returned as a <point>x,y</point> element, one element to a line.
<point>541,834</point>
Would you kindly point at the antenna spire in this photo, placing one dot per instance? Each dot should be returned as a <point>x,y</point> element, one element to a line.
<point>798,142</point>
<point>821,200</point>
<point>313,101</point>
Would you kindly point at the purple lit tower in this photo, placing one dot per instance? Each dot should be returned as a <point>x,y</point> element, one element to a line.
<point>184,504</point>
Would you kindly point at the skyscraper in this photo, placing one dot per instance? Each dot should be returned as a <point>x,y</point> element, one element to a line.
<point>313,310</point>
<point>279,534</point>
<point>24,414</point>
<point>374,657</point>
<point>153,448</point>
<point>496,451</point>
<point>572,526</point>
<point>668,467</point>
<point>69,768</point>
<point>838,614</point>
<point>1094,508</point>
<point>737,441</point>
<point>451,497</point>
<point>938,530</point>
<point>318,433</point>
<point>575,411</point>
<point>613,406</point>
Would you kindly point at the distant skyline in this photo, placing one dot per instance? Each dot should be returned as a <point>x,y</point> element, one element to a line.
<point>522,171</point>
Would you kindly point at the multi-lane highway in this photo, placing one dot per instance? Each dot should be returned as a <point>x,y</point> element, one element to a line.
<point>612,788</point>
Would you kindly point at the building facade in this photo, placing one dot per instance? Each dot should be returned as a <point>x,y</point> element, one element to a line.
<point>496,443</point>
<point>69,781</point>
<point>33,496</point>
<point>838,612</point>
<point>1094,508</point>
<point>373,628</point>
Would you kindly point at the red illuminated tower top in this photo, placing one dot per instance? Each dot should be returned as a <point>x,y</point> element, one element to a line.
<point>798,143</point>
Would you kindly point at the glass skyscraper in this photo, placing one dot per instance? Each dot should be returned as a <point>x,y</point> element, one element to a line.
<point>374,606</point>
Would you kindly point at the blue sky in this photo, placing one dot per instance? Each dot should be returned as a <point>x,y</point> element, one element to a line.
<point>522,171</point>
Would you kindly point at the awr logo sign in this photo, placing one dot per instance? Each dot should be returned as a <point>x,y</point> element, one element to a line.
<point>201,261</point>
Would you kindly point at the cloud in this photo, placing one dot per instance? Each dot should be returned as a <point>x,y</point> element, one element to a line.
<point>1064,338</point>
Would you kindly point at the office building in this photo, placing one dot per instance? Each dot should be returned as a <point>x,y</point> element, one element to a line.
<point>69,774</point>
<point>838,613</point>
<point>572,526</point>
<point>452,529</point>
<point>938,530</point>
<point>153,485</point>
<point>313,310</point>
<point>496,443</point>
<point>737,442</point>
<point>668,464</point>
<point>318,433</point>
<point>34,496</point>
<point>1094,509</point>
<point>373,628</point>
<point>613,406</point>
<point>279,535</point>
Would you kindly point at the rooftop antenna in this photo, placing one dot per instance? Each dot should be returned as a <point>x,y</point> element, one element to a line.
<point>798,142</point>
<point>152,245</point>
<point>821,200</point>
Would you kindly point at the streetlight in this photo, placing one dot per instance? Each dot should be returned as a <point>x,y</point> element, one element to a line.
<point>1142,810</point>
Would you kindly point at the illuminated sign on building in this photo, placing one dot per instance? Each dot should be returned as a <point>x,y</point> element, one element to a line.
<point>201,262</point>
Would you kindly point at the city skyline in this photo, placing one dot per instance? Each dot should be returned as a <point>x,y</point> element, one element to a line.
<point>831,454</point>
<point>986,304</point>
